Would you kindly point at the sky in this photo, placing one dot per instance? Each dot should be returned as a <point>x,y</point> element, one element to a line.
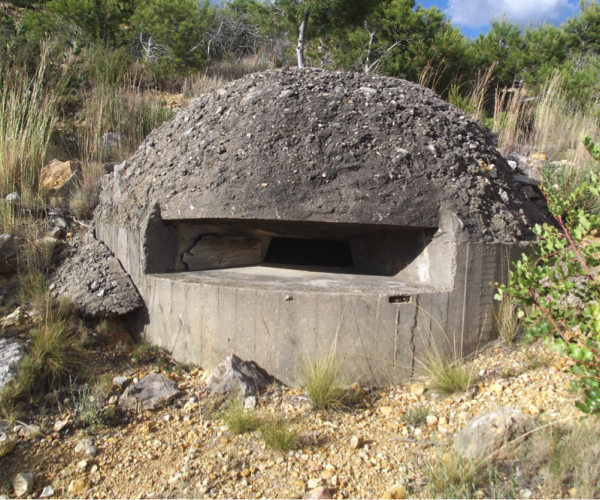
<point>475,16</point>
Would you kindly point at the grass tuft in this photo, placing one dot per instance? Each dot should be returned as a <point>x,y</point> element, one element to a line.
<point>278,434</point>
<point>237,420</point>
<point>322,380</point>
<point>507,321</point>
<point>447,375</point>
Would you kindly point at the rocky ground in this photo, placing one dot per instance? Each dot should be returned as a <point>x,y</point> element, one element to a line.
<point>184,449</point>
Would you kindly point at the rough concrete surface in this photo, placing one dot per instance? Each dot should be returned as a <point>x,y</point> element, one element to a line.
<point>424,205</point>
<point>314,145</point>
<point>94,280</point>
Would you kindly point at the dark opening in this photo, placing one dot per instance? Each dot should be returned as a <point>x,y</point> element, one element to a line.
<point>303,252</point>
<point>399,299</point>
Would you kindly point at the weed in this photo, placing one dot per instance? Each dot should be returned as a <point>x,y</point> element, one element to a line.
<point>451,477</point>
<point>105,384</point>
<point>321,377</point>
<point>278,434</point>
<point>447,375</point>
<point>237,420</point>
<point>88,410</point>
<point>416,416</point>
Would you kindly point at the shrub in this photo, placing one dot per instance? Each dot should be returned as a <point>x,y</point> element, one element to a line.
<point>277,434</point>
<point>321,377</point>
<point>416,416</point>
<point>558,283</point>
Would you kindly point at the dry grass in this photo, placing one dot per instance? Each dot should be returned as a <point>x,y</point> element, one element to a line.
<point>547,124</point>
<point>322,379</point>
<point>29,112</point>
<point>507,321</point>
<point>224,72</point>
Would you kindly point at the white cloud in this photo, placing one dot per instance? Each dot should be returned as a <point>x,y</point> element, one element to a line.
<point>478,13</point>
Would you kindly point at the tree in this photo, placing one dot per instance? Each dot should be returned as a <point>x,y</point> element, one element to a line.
<point>172,33</point>
<point>302,21</point>
<point>583,30</point>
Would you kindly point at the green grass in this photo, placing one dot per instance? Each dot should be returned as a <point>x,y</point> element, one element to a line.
<point>237,420</point>
<point>322,379</point>
<point>278,434</point>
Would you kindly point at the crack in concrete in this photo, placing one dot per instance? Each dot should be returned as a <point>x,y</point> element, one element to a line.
<point>412,336</point>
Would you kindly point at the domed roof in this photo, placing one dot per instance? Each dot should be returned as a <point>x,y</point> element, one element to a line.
<point>315,145</point>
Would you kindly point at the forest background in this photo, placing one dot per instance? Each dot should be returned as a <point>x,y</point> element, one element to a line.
<point>73,71</point>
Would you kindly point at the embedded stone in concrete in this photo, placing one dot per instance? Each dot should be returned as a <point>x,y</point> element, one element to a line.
<point>242,378</point>
<point>152,392</point>
<point>94,280</point>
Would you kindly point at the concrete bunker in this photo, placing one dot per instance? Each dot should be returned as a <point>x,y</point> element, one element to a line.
<point>294,212</point>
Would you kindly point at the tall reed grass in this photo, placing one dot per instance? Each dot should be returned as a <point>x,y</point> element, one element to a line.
<point>29,112</point>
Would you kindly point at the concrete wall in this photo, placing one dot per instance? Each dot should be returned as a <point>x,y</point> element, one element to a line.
<point>378,341</point>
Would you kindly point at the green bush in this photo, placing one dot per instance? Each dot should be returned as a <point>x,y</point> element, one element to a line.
<point>321,377</point>
<point>559,286</point>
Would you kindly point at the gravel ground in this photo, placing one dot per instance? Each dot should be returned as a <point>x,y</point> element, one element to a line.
<point>185,449</point>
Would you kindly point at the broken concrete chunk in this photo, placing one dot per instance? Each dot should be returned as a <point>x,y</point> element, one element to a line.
<point>152,392</point>
<point>94,280</point>
<point>235,376</point>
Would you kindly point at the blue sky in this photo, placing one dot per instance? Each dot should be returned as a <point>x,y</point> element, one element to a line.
<point>474,16</point>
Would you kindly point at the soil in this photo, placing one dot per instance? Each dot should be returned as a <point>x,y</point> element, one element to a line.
<point>185,449</point>
<point>314,145</point>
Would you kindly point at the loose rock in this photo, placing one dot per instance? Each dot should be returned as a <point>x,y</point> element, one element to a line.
<point>11,354</point>
<point>23,483</point>
<point>244,378</point>
<point>85,446</point>
<point>488,433</point>
<point>152,392</point>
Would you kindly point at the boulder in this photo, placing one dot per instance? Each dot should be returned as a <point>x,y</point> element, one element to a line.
<point>8,254</point>
<point>488,433</point>
<point>244,378</point>
<point>11,354</point>
<point>152,392</point>
<point>59,177</point>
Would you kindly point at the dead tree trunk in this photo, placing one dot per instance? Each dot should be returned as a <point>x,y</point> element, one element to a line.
<point>301,33</point>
